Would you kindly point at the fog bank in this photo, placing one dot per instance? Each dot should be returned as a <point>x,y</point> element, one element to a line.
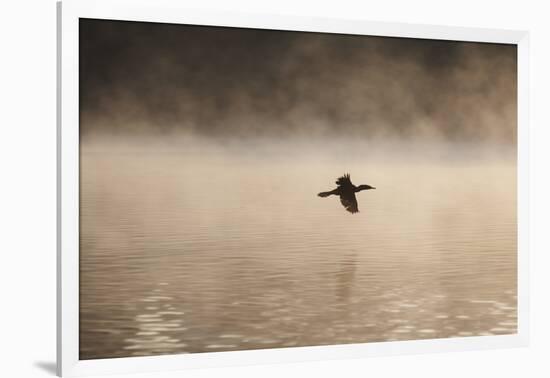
<point>212,81</point>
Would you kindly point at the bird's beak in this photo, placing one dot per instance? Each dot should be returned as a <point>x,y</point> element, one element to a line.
<point>372,187</point>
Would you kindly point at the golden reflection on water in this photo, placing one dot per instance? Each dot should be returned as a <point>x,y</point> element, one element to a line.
<point>189,251</point>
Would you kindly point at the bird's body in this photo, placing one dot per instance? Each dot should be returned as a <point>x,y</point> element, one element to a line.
<point>346,191</point>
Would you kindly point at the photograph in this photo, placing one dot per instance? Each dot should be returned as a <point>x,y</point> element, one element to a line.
<point>244,189</point>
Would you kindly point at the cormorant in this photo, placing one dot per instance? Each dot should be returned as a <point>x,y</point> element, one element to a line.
<point>346,190</point>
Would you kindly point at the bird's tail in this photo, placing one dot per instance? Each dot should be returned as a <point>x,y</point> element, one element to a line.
<point>325,194</point>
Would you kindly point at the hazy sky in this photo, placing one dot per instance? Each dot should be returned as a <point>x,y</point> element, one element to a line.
<point>213,81</point>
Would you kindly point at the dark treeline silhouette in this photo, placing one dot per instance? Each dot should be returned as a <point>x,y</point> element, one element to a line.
<point>214,81</point>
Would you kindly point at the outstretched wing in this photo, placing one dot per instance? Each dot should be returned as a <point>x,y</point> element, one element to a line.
<point>344,180</point>
<point>349,202</point>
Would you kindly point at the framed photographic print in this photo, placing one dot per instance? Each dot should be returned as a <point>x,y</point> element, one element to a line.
<point>239,188</point>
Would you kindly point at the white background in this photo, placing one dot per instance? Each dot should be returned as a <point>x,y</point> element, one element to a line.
<point>27,190</point>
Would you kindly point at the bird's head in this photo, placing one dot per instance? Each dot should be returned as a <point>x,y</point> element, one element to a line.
<point>365,187</point>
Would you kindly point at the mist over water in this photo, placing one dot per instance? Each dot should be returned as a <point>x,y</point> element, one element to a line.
<point>152,78</point>
<point>192,245</point>
<point>203,149</point>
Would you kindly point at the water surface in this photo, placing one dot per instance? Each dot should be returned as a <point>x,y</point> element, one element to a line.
<point>190,248</point>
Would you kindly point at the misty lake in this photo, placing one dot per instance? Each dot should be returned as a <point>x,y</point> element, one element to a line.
<point>190,248</point>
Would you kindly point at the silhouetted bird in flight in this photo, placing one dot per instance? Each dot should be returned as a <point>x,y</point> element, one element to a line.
<point>346,190</point>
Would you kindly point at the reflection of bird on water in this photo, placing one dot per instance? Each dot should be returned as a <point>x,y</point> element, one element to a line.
<point>346,278</point>
<point>346,190</point>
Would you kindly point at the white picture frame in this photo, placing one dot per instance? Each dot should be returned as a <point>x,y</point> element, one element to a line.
<point>169,11</point>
